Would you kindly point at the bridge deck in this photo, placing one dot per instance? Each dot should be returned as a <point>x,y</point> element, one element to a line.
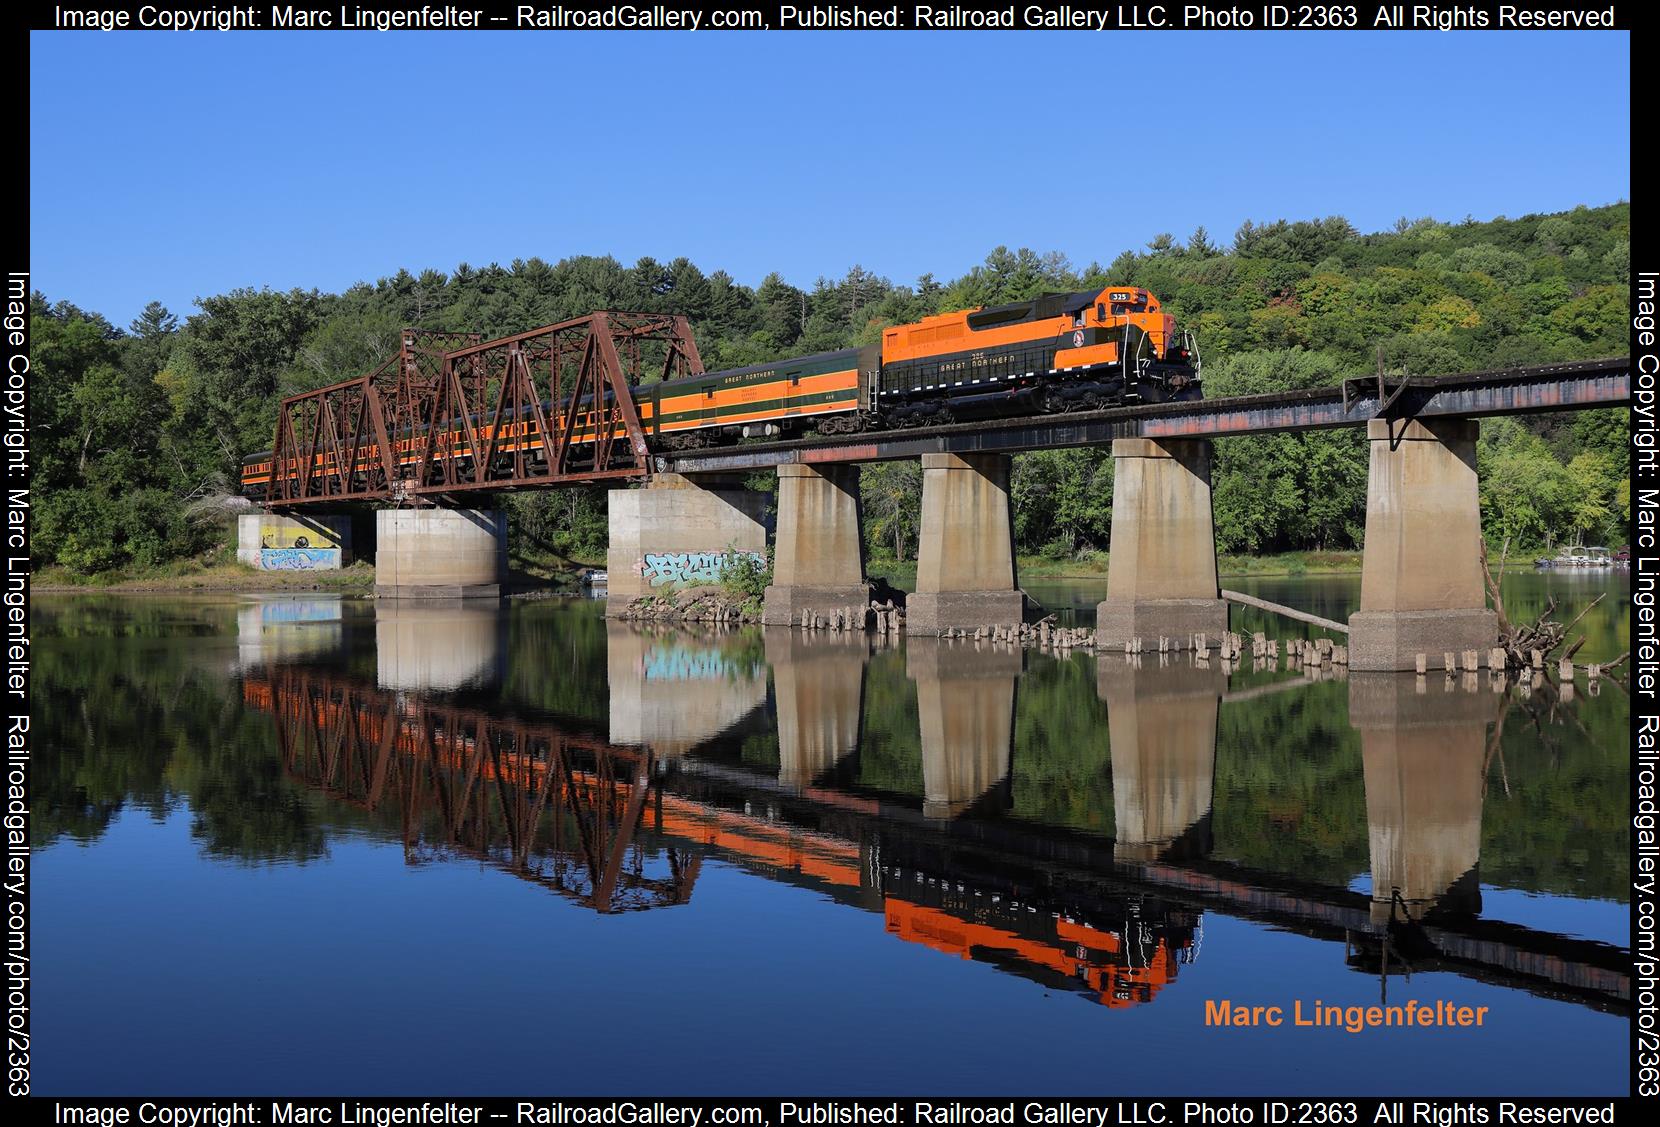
<point>1539,388</point>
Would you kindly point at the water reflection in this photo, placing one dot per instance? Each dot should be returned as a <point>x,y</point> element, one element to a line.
<point>439,644</point>
<point>965,707</point>
<point>671,691</point>
<point>818,682</point>
<point>1137,833</point>
<point>1425,758</point>
<point>623,821</point>
<point>273,629</point>
<point>1163,727</point>
<point>537,800</point>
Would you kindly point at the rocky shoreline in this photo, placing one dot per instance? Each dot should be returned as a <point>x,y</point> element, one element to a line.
<point>706,604</point>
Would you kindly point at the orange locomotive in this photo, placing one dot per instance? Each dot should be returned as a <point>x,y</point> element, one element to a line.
<point>1054,353</point>
<point>1058,352</point>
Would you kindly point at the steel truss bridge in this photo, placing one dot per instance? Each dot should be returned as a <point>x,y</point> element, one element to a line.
<point>450,414</point>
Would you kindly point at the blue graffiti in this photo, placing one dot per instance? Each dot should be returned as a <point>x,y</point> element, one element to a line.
<point>300,610</point>
<point>676,664</point>
<point>299,559</point>
<point>662,568</point>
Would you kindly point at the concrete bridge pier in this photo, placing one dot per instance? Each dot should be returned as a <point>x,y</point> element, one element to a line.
<point>965,574</point>
<point>678,531</point>
<point>818,681</point>
<point>1423,756</point>
<point>1161,576</point>
<point>1162,726</point>
<point>818,559</point>
<point>1421,588</point>
<point>440,553</point>
<point>274,541</point>
<point>965,706</point>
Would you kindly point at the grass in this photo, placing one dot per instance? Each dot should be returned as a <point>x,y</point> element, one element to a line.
<point>538,568</point>
<point>218,570</point>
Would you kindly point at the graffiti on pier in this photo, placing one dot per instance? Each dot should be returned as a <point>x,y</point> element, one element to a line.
<point>663,568</point>
<point>299,559</point>
<point>298,534</point>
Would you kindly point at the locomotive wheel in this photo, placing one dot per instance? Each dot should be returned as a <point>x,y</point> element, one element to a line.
<point>1051,401</point>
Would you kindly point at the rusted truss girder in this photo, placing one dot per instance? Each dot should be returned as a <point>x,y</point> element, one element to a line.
<point>338,443</point>
<point>557,809</point>
<point>452,413</point>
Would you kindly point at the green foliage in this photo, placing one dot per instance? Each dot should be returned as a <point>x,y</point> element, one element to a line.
<point>1528,495</point>
<point>744,577</point>
<point>167,411</point>
<point>891,493</point>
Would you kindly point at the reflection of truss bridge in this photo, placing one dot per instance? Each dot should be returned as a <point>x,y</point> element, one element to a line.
<point>561,810</point>
<point>593,821</point>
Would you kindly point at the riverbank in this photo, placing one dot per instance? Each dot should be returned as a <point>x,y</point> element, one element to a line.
<point>222,571</point>
<point>358,579</point>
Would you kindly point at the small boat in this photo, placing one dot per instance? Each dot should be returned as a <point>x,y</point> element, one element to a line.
<point>595,577</point>
<point>1598,557</point>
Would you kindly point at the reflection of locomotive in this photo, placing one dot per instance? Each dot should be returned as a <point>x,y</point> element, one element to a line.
<point>1120,964</point>
<point>1054,353</point>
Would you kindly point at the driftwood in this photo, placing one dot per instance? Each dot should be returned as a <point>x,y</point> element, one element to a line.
<point>1545,635</point>
<point>1492,584</point>
<point>1288,612</point>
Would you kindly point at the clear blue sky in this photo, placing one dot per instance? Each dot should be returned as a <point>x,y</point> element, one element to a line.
<point>171,166</point>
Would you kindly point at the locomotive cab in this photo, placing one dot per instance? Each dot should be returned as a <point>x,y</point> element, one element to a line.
<point>1055,352</point>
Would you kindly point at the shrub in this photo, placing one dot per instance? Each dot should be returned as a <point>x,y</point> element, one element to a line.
<point>744,576</point>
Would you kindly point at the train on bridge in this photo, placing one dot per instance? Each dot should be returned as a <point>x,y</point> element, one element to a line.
<point>1052,354</point>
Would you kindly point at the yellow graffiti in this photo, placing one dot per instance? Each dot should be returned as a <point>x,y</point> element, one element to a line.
<point>289,535</point>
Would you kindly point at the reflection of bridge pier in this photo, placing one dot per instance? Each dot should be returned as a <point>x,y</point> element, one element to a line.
<point>818,680</point>
<point>965,705</point>
<point>614,829</point>
<point>439,644</point>
<point>1424,755</point>
<point>1162,724</point>
<point>271,629</point>
<point>673,690</point>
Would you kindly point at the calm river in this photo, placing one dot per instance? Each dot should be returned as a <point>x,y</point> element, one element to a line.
<point>317,845</point>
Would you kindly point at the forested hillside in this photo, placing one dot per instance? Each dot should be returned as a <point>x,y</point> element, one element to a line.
<point>138,431</point>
